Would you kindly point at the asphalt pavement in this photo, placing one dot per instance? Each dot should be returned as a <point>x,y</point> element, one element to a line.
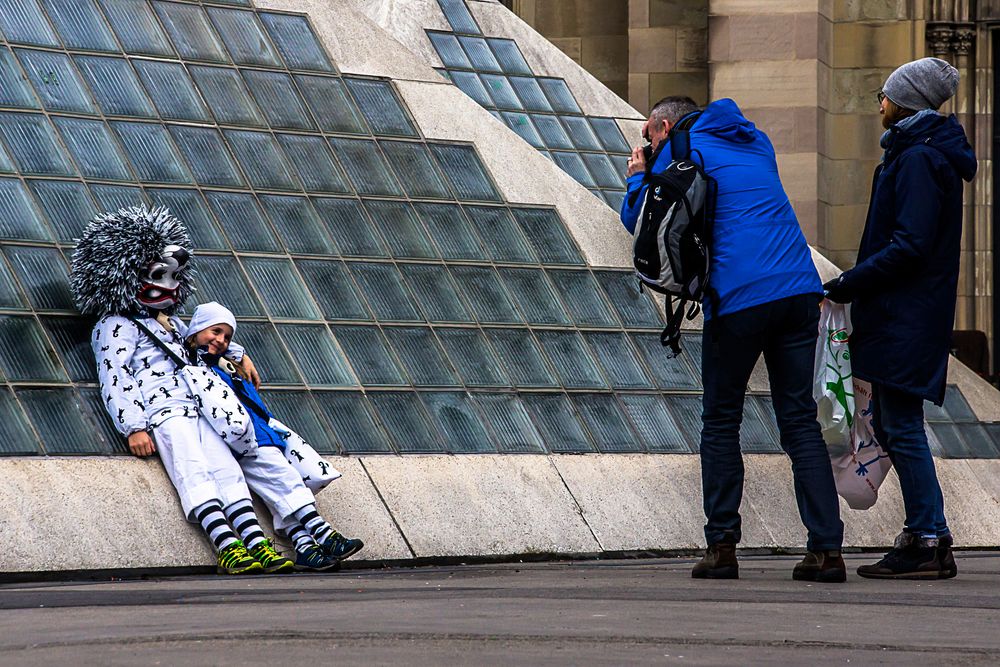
<point>625,612</point>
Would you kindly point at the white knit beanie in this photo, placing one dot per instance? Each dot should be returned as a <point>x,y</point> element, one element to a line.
<point>208,314</point>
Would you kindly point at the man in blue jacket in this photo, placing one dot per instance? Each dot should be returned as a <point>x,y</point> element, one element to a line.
<point>903,291</point>
<point>768,295</point>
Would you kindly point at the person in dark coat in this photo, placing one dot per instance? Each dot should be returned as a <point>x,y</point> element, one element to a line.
<point>903,291</point>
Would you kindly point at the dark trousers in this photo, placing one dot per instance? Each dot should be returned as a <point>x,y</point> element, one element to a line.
<point>899,427</point>
<point>785,332</point>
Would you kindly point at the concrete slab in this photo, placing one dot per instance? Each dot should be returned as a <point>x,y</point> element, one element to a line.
<point>878,525</point>
<point>983,398</point>
<point>770,515</point>
<point>973,512</point>
<point>408,22</point>
<point>481,505</point>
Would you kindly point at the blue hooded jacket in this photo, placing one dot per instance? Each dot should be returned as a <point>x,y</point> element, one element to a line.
<point>905,281</point>
<point>759,253</point>
<point>251,400</point>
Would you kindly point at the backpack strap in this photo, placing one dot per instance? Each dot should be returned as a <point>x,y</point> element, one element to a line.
<point>680,136</point>
<point>671,334</point>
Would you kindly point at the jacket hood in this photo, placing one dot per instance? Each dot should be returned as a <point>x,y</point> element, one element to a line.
<point>943,133</point>
<point>724,119</point>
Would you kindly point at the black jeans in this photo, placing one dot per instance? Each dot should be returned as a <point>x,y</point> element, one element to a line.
<point>785,332</point>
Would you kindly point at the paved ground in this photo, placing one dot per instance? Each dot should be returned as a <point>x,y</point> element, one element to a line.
<point>593,613</point>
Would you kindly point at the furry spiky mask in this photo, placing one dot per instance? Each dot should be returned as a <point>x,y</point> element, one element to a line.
<point>130,261</point>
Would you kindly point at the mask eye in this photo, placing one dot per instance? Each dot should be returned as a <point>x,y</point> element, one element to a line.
<point>156,274</point>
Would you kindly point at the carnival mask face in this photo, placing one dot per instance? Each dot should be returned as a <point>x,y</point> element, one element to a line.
<point>159,279</point>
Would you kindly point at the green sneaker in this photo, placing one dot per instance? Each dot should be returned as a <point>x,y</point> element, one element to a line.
<point>271,560</point>
<point>235,559</point>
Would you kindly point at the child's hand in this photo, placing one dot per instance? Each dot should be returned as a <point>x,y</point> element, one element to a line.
<point>248,371</point>
<point>140,444</point>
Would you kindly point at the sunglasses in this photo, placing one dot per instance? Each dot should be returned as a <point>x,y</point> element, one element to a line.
<point>880,96</point>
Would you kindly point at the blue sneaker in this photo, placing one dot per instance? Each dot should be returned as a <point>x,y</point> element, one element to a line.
<point>340,547</point>
<point>314,560</point>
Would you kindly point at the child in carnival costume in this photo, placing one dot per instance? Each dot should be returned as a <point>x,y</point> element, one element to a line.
<point>132,270</point>
<point>209,337</point>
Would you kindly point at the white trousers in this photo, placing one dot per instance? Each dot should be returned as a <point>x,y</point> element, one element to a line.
<point>277,483</point>
<point>314,471</point>
<point>199,463</point>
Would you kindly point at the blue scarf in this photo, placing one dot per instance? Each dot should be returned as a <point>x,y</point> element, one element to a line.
<point>889,135</point>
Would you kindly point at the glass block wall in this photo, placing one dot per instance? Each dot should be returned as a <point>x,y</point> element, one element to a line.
<point>541,109</point>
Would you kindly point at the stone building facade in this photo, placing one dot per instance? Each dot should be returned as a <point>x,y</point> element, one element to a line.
<point>807,72</point>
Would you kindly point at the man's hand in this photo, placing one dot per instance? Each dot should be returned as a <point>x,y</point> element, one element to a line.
<point>248,371</point>
<point>836,292</point>
<point>636,163</point>
<point>140,444</point>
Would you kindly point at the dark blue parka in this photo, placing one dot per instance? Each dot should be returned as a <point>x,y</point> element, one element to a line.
<point>905,281</point>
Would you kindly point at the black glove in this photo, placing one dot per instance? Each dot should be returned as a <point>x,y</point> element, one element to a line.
<point>836,291</point>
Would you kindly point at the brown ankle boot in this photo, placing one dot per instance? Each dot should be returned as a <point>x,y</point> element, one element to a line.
<point>822,566</point>
<point>719,562</point>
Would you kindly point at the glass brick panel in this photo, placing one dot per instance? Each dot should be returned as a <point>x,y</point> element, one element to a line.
<point>480,54</point>
<point>221,279</point>
<point>510,422</point>
<point>603,416</point>
<point>535,296</point>
<point>501,92</point>
<point>422,357</point>
<point>19,219</point>
<point>366,167</point>
<point>313,162</point>
<point>188,206</point>
<point>573,165</point>
<point>605,173</point>
<point>277,98</point>
<point>618,360</point>
<point>486,295</point>
<point>530,93</point>
<point>415,169</point>
<point>244,37</point>
<point>299,408</point>
<point>381,107</point>
<point>557,422</point>
<point>950,442</point>
<point>691,347</point>
<point>296,42</point>
<point>466,173</point>
<point>109,198</point>
<point>472,358</point>
<point>6,166</point>
<point>978,441</point>
<point>332,287</point>
<point>654,424</point>
<point>459,17</point>
<point>353,422</point>
<point>436,293</point>
<point>470,84</point>
<point>610,135</point>
<point>25,355</point>
<point>261,160</point>
<point>10,295</point>
<point>559,95</point>
<point>615,198</point>
<point>385,291</point>
<point>508,55</point>
<point>93,148</point>
<point>58,418</point>
<point>190,31</point>
<point>151,152</point>
<point>207,156</point>
<point>16,436</point>
<point>281,288</point>
<point>66,205</point>
<point>552,131</point>
<point>349,228</point>
<point>80,25</point>
<point>451,231</point>
<point>43,275</point>
<point>400,228</point>
<point>457,420</point>
<point>243,221</point>
<point>23,21</point>
<point>571,359</point>
<point>406,421</point>
<point>580,133</point>
<point>226,96</point>
<point>668,373</point>
<point>297,224</point>
<point>522,125</point>
<point>316,353</point>
<point>14,90</point>
<point>686,411</point>
<point>521,357</point>
<point>583,297</point>
<point>56,81</point>
<point>369,355</point>
<point>137,27</point>
<point>333,109</point>
<point>71,336</point>
<point>97,415</point>
<point>634,307</point>
<point>758,431</point>
<point>172,91</point>
<point>264,347</point>
<point>449,50</point>
<point>501,235</point>
<point>935,413</point>
<point>993,431</point>
<point>956,405</point>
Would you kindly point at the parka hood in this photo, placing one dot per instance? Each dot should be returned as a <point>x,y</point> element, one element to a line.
<point>943,133</point>
<point>724,119</point>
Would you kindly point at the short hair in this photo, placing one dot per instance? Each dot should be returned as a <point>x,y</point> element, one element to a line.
<point>673,108</point>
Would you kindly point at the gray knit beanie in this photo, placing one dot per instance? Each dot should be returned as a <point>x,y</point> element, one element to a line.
<point>922,84</point>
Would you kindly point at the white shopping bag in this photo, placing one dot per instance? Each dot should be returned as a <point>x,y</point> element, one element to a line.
<point>844,411</point>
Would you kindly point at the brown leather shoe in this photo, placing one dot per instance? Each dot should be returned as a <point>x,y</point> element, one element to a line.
<point>822,566</point>
<point>719,562</point>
